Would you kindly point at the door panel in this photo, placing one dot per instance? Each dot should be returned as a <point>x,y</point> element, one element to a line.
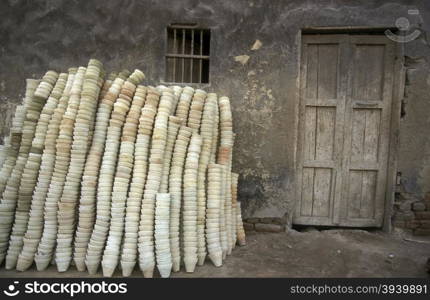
<point>321,117</point>
<point>344,117</point>
<point>367,131</point>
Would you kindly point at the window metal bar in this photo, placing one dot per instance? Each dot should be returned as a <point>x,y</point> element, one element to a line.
<point>183,52</point>
<point>174,51</point>
<point>203,57</point>
<point>192,53</point>
<point>201,54</point>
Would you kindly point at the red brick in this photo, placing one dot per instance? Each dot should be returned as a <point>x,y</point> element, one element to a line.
<point>268,227</point>
<point>422,215</point>
<point>252,220</point>
<point>425,224</point>
<point>248,226</point>
<point>420,231</point>
<point>413,224</point>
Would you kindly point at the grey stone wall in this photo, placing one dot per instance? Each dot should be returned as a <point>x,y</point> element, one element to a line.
<point>37,35</point>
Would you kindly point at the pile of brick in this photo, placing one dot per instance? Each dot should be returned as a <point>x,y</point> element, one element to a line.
<point>264,224</point>
<point>412,213</point>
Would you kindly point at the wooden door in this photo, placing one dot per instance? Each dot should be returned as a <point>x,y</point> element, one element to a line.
<point>344,130</point>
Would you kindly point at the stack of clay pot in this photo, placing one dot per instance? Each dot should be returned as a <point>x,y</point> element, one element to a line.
<point>206,131</point>
<point>67,205</point>
<point>121,183</point>
<point>161,234</point>
<point>10,195</point>
<point>196,109</point>
<point>28,183</point>
<point>184,103</point>
<point>236,205</point>
<point>106,171</point>
<point>213,214</point>
<point>64,141</point>
<point>189,214</point>
<point>175,190</point>
<point>11,150</point>
<point>35,223</point>
<point>152,185</point>
<point>137,185</point>
<point>172,132</point>
<point>177,91</point>
<point>13,142</point>
<point>87,203</point>
<point>224,158</point>
<point>215,136</point>
<point>222,220</point>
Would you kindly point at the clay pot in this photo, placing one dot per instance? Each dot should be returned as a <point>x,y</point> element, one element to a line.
<point>213,214</point>
<point>146,248</point>
<point>106,178</point>
<point>189,217</point>
<point>56,105</point>
<point>121,184</point>
<point>11,193</point>
<point>162,243</point>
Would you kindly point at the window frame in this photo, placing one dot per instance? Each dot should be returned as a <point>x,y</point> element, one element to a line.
<point>177,55</point>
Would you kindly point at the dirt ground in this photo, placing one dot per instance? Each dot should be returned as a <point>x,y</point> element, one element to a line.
<point>327,253</point>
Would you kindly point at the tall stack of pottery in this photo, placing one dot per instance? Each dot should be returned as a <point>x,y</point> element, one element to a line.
<point>175,190</point>
<point>184,103</point>
<point>67,205</point>
<point>12,148</point>
<point>215,134</point>
<point>175,98</point>
<point>240,232</point>
<point>107,171</point>
<point>121,183</point>
<point>161,234</point>
<point>16,133</point>
<point>146,225</point>
<point>10,194</point>
<point>177,90</point>
<point>138,179</point>
<point>224,158</point>
<point>101,83</point>
<point>3,151</point>
<point>233,221</point>
<point>29,178</point>
<point>35,222</point>
<point>91,171</point>
<point>222,226</point>
<point>233,188</point>
<point>13,141</point>
<point>213,214</point>
<point>196,110</point>
<point>206,132</point>
<point>172,132</point>
<point>62,161</point>
<point>144,172</point>
<point>241,238</point>
<point>189,215</point>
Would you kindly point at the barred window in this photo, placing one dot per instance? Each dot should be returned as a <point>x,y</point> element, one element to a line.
<point>187,57</point>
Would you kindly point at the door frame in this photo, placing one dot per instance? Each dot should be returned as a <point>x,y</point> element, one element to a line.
<point>397,96</point>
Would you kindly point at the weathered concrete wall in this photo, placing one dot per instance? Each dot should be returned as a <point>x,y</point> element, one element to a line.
<point>37,35</point>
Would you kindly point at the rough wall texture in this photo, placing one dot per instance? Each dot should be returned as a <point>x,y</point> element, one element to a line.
<point>37,35</point>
